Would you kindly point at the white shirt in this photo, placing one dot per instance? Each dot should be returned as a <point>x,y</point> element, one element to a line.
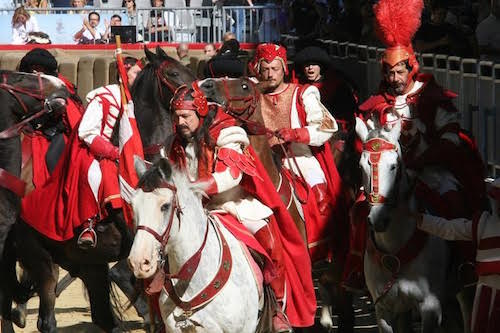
<point>20,31</point>
<point>99,32</point>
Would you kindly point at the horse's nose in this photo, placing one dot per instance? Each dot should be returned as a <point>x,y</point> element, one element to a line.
<point>139,266</point>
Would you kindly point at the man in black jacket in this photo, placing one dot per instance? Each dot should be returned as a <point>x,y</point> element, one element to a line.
<point>226,62</point>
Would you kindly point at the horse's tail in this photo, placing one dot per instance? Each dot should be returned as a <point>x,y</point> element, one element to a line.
<point>265,324</point>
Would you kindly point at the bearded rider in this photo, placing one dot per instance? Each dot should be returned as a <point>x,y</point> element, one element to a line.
<point>303,127</point>
<point>215,152</point>
<point>430,132</point>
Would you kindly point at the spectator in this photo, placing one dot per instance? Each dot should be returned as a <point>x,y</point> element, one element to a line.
<point>304,16</point>
<point>226,62</point>
<point>368,36</point>
<point>78,4</point>
<point>238,15</point>
<point>439,37</point>
<point>22,25</point>
<point>182,53</point>
<point>350,22</point>
<point>228,35</point>
<point>488,34</point>
<point>209,50</point>
<point>159,22</point>
<point>115,20</point>
<point>90,31</point>
<point>36,4</point>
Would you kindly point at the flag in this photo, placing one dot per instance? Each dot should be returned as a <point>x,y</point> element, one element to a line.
<point>130,145</point>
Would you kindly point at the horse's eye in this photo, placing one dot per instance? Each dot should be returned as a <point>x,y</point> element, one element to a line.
<point>173,73</point>
<point>244,86</point>
<point>165,207</point>
<point>208,84</point>
<point>393,167</point>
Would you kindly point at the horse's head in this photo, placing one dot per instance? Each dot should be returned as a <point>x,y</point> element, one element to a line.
<point>157,203</point>
<point>35,93</point>
<point>239,97</point>
<point>170,71</point>
<point>381,170</point>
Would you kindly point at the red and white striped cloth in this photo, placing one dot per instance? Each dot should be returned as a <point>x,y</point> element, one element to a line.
<point>130,146</point>
<point>486,310</point>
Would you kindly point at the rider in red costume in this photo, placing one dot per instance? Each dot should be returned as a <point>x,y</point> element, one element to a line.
<point>303,126</point>
<point>430,132</point>
<point>215,152</point>
<point>52,142</point>
<point>85,185</point>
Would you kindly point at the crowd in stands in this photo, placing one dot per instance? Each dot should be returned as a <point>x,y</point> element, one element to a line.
<point>464,28</point>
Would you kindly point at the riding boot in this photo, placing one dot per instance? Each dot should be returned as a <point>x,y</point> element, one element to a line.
<point>322,198</point>
<point>274,249</point>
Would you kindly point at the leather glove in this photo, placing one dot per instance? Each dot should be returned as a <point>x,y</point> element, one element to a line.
<point>300,135</point>
<point>104,149</point>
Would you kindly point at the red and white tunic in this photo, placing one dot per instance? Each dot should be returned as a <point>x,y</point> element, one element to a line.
<point>99,120</point>
<point>485,232</point>
<point>280,110</point>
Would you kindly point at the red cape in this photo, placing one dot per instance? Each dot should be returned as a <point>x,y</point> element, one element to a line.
<point>301,299</point>
<point>66,200</point>
<point>338,226</point>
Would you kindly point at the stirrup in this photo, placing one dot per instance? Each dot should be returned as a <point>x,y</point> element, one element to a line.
<point>89,229</point>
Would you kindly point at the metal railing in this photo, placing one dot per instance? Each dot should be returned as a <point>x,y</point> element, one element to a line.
<point>183,24</point>
<point>476,82</point>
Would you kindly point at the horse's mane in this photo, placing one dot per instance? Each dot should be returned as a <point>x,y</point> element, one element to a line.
<point>162,172</point>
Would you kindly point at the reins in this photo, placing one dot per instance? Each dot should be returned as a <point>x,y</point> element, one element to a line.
<point>163,278</point>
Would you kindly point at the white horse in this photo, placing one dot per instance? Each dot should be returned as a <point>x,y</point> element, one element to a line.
<point>172,226</point>
<point>405,270</point>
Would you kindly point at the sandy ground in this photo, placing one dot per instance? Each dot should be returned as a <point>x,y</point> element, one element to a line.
<point>73,312</point>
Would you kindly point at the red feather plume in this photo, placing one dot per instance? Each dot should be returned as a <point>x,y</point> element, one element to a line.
<point>397,21</point>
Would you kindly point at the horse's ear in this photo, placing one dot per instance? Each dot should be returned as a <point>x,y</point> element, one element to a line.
<point>140,166</point>
<point>361,129</point>
<point>165,168</point>
<point>161,53</point>
<point>150,55</point>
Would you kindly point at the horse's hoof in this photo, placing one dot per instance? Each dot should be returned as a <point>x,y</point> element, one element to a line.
<point>49,326</point>
<point>326,317</point>
<point>18,317</point>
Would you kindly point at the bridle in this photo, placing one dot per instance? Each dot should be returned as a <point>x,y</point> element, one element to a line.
<point>375,147</point>
<point>249,103</point>
<point>16,92</point>
<point>174,209</point>
<point>161,78</point>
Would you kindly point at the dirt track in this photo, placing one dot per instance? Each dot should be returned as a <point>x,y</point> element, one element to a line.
<point>73,313</point>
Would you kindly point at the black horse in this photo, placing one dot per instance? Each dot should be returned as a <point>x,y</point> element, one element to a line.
<point>29,102</point>
<point>152,91</point>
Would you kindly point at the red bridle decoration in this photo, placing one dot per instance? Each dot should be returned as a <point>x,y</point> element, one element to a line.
<point>375,147</point>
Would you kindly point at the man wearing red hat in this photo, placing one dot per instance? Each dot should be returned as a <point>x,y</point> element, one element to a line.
<point>303,127</point>
<point>430,134</point>
<point>215,153</point>
<point>483,231</point>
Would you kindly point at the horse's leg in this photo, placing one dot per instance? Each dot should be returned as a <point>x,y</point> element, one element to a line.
<point>431,313</point>
<point>403,322</point>
<point>19,312</point>
<point>8,284</point>
<point>96,280</point>
<point>382,321</point>
<point>465,299</point>
<point>345,310</point>
<point>121,275</point>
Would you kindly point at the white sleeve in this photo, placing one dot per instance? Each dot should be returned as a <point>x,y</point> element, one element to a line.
<point>456,229</point>
<point>34,24</point>
<point>16,37</point>
<point>91,123</point>
<point>234,138</point>
<point>444,118</point>
<point>320,123</point>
